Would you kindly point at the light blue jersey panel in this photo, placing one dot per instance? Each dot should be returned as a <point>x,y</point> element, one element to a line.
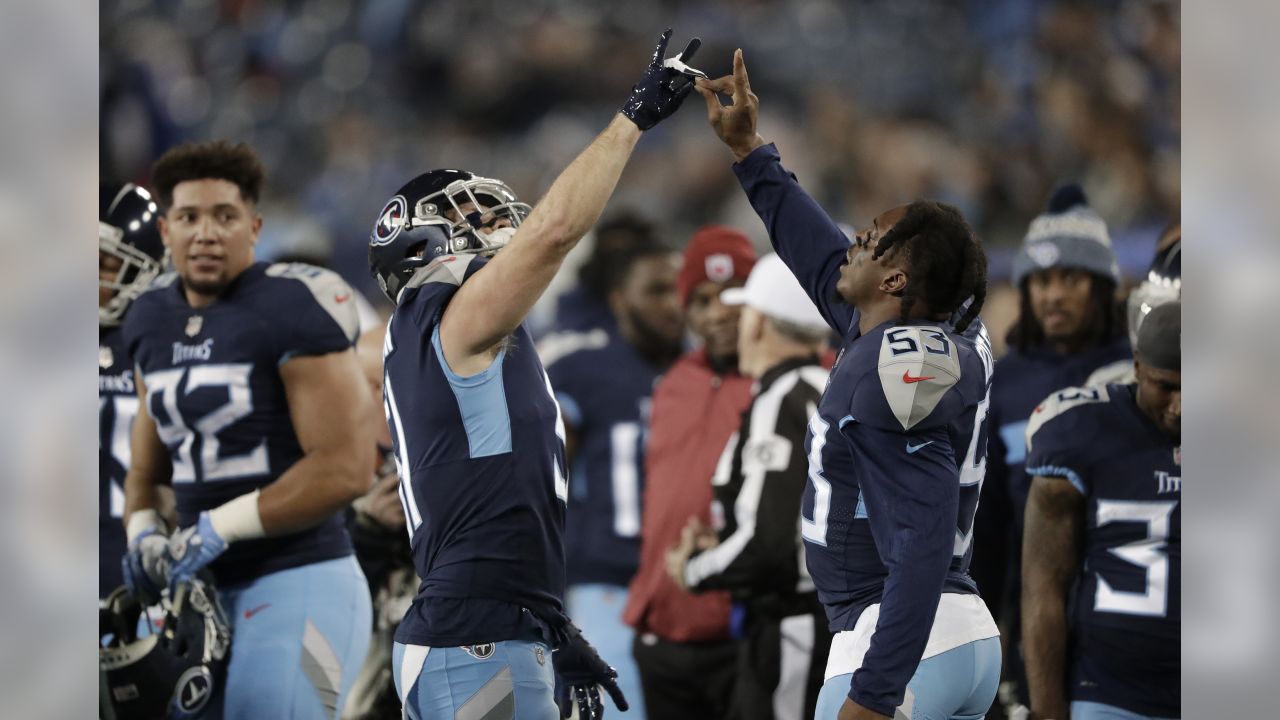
<point>959,684</point>
<point>1014,436</point>
<point>482,400</point>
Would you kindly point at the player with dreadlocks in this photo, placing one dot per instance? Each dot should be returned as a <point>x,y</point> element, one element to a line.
<point>897,447</point>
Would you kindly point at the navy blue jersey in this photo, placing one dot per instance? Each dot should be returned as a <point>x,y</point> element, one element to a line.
<point>1024,380</point>
<point>897,450</point>
<point>117,406</point>
<point>1127,604</point>
<point>482,476</point>
<point>214,390</point>
<point>604,388</point>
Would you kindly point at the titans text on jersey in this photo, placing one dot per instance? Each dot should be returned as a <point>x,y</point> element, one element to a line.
<point>215,392</point>
<point>483,482</point>
<point>1127,603</point>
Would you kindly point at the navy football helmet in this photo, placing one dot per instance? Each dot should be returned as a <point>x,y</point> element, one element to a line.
<point>127,231</point>
<point>1163,283</point>
<point>174,671</point>
<point>439,213</point>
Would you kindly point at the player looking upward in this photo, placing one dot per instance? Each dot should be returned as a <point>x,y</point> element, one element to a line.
<point>478,436</point>
<point>897,446</point>
<point>253,406</point>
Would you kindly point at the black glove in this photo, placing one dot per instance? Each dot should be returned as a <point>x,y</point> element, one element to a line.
<point>582,672</point>
<point>666,83</point>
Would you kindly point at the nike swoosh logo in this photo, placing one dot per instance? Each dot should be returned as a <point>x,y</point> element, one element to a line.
<point>908,378</point>
<point>342,298</point>
<point>254,611</point>
<point>911,450</point>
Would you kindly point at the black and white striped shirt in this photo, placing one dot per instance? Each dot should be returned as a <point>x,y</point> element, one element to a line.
<point>758,484</point>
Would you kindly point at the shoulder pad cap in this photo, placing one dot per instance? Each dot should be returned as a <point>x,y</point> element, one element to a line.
<point>328,289</point>
<point>918,364</point>
<point>164,280</point>
<point>1060,403</point>
<point>450,269</point>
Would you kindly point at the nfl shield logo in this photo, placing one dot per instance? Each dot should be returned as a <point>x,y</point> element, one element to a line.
<point>105,357</point>
<point>719,267</point>
<point>194,323</point>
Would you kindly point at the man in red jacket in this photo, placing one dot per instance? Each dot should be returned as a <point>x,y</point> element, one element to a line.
<point>683,646</point>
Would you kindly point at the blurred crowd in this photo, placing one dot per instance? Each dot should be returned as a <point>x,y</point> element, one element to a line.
<point>986,105</point>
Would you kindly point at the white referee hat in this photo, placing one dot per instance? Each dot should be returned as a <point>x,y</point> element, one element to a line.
<point>774,291</point>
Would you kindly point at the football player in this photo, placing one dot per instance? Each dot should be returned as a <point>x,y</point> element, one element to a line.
<point>1104,537</point>
<point>604,388</point>
<point>253,406</point>
<point>1069,325</point>
<point>1163,284</point>
<point>897,446</point>
<point>478,436</point>
<point>130,256</point>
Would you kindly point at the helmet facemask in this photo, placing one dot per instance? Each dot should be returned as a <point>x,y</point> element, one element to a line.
<point>472,207</point>
<point>137,270</point>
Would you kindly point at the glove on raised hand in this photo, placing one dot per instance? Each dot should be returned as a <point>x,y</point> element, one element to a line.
<point>666,83</point>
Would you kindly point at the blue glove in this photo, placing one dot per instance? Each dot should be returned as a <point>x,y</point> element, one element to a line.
<point>145,565</point>
<point>582,673</point>
<point>190,550</point>
<point>666,83</point>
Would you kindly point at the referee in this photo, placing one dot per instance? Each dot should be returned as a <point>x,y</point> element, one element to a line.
<point>755,551</point>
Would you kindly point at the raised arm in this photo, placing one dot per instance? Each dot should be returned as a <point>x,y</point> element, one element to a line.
<point>802,233</point>
<point>490,305</point>
<point>1050,562</point>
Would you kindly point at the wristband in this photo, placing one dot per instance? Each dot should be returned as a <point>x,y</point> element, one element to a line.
<point>238,519</point>
<point>141,521</point>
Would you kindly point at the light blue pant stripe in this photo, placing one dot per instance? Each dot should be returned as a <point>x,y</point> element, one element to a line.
<point>324,607</point>
<point>959,684</point>
<point>1098,711</point>
<point>597,610</point>
<point>451,677</point>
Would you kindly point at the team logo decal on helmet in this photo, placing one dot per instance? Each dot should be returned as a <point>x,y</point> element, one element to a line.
<point>390,221</point>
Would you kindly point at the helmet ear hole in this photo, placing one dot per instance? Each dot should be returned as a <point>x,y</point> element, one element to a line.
<point>415,250</point>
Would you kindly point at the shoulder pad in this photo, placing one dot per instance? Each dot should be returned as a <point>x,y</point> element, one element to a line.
<point>328,289</point>
<point>164,280</point>
<point>918,364</point>
<point>1061,402</point>
<point>450,269</point>
<point>557,346</point>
